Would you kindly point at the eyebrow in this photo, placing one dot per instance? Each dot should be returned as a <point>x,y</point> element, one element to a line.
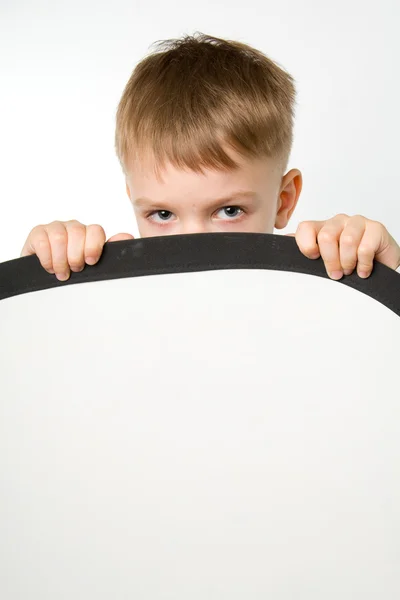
<point>144,202</point>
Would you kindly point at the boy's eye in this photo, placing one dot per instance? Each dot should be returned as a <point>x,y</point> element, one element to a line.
<point>228,212</point>
<point>163,215</point>
<point>231,211</point>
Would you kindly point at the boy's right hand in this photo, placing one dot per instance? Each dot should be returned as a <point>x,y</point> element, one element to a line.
<point>64,245</point>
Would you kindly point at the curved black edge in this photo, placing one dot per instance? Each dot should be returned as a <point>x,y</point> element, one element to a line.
<point>196,252</point>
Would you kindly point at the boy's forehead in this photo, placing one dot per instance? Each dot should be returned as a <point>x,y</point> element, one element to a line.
<point>167,175</point>
<point>235,196</point>
<point>174,184</point>
<point>166,185</point>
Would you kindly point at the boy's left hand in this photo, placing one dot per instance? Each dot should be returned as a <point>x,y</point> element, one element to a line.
<point>345,243</point>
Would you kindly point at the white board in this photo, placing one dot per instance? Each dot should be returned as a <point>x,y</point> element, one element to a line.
<point>203,416</point>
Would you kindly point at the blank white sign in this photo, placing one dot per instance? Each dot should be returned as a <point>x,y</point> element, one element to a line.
<point>226,433</point>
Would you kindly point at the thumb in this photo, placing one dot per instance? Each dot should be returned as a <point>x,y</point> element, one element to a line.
<point>119,237</point>
<point>388,252</point>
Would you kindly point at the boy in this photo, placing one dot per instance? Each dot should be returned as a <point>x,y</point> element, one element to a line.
<point>203,135</point>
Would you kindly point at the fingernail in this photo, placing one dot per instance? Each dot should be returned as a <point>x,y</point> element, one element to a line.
<point>336,275</point>
<point>363,274</point>
<point>90,260</point>
<point>347,271</point>
<point>62,276</point>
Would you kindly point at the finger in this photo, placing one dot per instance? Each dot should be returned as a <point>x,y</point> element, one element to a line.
<point>349,243</point>
<point>95,240</point>
<point>58,243</point>
<point>119,237</point>
<point>38,243</point>
<point>388,251</point>
<point>76,233</point>
<point>306,238</point>
<point>372,242</point>
<point>328,241</point>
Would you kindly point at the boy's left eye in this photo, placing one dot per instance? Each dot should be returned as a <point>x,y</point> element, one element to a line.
<point>231,211</point>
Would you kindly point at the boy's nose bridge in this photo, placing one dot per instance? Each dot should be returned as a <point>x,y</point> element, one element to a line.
<point>195,223</point>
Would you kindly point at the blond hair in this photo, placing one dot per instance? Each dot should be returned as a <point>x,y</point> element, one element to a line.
<point>195,96</point>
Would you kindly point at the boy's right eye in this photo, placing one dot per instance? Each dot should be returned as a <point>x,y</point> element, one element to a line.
<point>164,215</point>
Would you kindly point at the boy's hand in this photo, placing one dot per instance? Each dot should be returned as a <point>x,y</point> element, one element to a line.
<point>345,242</point>
<point>64,245</point>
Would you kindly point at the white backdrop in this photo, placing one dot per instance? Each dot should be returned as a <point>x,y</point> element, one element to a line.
<point>64,66</point>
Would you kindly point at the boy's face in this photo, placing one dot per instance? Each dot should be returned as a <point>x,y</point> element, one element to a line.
<point>254,198</point>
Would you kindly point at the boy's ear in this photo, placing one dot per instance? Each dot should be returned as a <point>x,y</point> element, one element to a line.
<point>291,186</point>
<point>128,191</point>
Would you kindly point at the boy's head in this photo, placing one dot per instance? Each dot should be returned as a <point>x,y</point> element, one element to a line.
<point>204,133</point>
